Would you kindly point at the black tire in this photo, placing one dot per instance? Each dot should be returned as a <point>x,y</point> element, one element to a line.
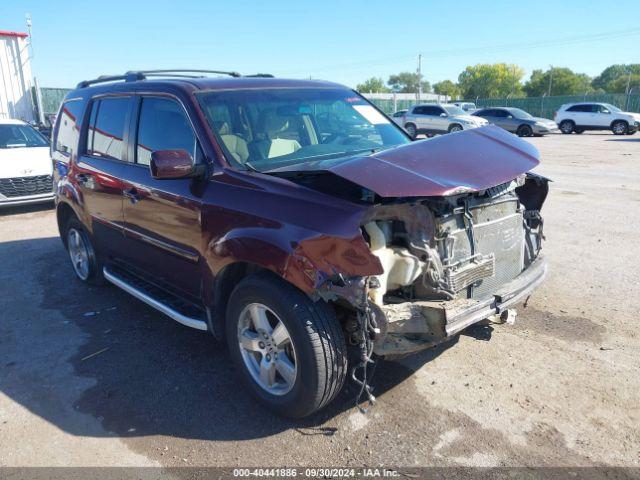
<point>315,335</point>
<point>93,273</point>
<point>524,131</point>
<point>620,127</point>
<point>567,126</point>
<point>456,127</point>
<point>411,129</point>
<point>579,130</point>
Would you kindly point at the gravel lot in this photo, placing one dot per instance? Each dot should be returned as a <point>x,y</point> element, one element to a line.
<point>561,387</point>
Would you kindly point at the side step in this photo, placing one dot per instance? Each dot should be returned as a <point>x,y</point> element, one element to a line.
<point>139,292</point>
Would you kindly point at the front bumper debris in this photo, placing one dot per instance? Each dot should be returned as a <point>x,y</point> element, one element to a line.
<point>414,326</point>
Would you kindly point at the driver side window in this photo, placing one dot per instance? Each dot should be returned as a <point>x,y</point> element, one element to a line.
<point>163,125</point>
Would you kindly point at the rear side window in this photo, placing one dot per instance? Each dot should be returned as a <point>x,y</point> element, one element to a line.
<point>580,108</point>
<point>68,131</point>
<point>105,135</point>
<point>163,125</point>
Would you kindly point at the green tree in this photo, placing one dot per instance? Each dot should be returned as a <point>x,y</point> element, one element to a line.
<point>491,80</point>
<point>563,81</point>
<point>447,87</point>
<point>407,82</point>
<point>373,85</point>
<point>620,84</point>
<point>613,73</point>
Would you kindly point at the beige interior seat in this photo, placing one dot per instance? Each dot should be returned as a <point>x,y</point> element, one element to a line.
<point>275,129</point>
<point>235,144</point>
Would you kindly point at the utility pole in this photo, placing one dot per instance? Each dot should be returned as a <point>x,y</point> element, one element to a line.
<point>419,77</point>
<point>550,79</point>
<point>628,81</point>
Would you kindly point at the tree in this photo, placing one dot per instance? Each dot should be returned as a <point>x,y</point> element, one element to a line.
<point>620,84</point>
<point>373,85</point>
<point>563,81</point>
<point>613,73</point>
<point>491,80</point>
<point>447,87</point>
<point>407,82</point>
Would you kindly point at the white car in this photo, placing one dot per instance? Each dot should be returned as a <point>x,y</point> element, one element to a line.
<point>578,117</point>
<point>25,165</point>
<point>439,118</point>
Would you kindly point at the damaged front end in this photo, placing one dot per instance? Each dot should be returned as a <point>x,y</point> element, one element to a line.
<point>448,262</point>
<point>454,223</point>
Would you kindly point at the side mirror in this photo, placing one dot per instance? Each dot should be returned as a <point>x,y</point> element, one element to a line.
<point>168,164</point>
<point>443,114</point>
<point>509,116</point>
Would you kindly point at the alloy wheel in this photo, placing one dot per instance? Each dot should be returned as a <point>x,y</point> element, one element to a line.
<point>267,349</point>
<point>79,253</point>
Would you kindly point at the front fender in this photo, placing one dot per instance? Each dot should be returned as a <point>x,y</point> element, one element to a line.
<point>305,259</point>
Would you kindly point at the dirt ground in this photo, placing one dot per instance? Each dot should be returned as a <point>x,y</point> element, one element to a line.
<point>92,377</point>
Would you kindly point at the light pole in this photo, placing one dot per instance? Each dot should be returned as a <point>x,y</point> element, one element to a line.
<point>419,77</point>
<point>550,79</point>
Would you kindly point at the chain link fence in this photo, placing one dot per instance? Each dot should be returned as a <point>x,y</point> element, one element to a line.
<point>546,106</point>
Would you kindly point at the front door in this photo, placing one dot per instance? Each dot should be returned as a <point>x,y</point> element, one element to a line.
<point>99,168</point>
<point>162,217</point>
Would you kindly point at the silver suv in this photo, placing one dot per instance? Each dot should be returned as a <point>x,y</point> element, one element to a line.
<point>439,118</point>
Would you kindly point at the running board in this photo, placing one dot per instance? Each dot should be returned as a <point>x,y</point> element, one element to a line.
<point>153,302</point>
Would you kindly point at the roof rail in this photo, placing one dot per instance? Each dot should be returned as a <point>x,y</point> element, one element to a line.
<point>133,76</point>
<point>260,75</point>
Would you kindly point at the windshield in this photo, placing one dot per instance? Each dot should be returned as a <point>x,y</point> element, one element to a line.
<point>518,113</point>
<point>611,107</point>
<point>453,110</point>
<point>272,128</point>
<point>16,135</point>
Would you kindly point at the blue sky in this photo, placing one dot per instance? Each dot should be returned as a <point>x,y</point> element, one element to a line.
<point>344,41</point>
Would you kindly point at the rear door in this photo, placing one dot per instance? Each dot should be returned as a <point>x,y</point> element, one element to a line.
<point>581,114</point>
<point>99,169</point>
<point>162,217</point>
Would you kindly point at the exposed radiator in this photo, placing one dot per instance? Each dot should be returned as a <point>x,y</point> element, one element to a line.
<point>499,254</point>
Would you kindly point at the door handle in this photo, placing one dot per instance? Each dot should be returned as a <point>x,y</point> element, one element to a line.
<point>132,194</point>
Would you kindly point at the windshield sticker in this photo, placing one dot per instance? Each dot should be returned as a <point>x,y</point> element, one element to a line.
<point>371,114</point>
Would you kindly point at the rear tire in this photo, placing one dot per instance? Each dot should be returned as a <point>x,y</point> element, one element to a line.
<point>524,131</point>
<point>84,260</point>
<point>620,127</point>
<point>290,351</point>
<point>410,128</point>
<point>567,126</point>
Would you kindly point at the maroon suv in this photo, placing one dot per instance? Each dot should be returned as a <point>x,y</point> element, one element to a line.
<point>292,218</point>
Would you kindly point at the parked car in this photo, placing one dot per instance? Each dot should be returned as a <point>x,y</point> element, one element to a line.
<point>226,205</point>
<point>578,117</point>
<point>398,117</point>
<point>25,166</point>
<point>468,107</point>
<point>517,121</point>
<point>439,118</point>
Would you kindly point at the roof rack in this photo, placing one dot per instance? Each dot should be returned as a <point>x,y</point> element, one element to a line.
<point>134,76</point>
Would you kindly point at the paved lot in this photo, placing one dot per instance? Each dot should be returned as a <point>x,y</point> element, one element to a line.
<point>560,387</point>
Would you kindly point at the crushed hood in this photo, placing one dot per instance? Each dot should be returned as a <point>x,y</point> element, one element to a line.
<point>471,160</point>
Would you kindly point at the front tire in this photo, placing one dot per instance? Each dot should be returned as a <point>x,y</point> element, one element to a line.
<point>289,350</point>
<point>455,128</point>
<point>84,259</point>
<point>620,127</point>
<point>567,126</point>
<point>524,131</point>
